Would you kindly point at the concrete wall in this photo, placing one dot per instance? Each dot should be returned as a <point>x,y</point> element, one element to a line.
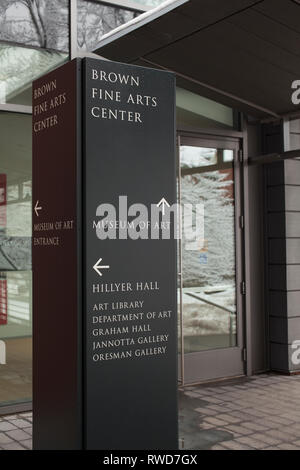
<point>274,221</point>
<point>295,134</point>
<point>283,240</point>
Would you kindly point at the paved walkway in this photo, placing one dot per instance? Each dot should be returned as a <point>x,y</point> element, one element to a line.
<point>16,431</point>
<point>262,412</point>
<point>259,413</point>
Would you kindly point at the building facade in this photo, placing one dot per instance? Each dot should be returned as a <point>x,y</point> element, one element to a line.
<point>238,290</point>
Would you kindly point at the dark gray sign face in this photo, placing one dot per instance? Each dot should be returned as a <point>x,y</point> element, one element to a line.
<point>130,283</point>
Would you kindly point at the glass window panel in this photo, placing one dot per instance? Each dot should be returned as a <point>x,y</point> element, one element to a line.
<point>194,157</point>
<point>138,5</point>
<point>227,156</point>
<point>95,19</point>
<point>41,23</point>
<point>15,258</point>
<point>208,266</point>
<point>19,66</point>
<point>196,111</point>
<point>150,3</point>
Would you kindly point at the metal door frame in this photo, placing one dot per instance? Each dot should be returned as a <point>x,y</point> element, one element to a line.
<point>234,356</point>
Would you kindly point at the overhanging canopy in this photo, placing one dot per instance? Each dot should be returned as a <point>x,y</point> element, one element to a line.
<point>242,53</point>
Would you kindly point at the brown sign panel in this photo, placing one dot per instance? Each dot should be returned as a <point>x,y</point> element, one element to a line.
<point>56,258</point>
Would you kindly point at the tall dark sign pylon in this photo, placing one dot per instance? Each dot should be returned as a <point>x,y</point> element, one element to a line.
<point>104,281</point>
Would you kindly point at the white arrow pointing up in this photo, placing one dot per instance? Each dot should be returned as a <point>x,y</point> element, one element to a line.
<point>37,208</point>
<point>163,203</point>
<point>97,267</point>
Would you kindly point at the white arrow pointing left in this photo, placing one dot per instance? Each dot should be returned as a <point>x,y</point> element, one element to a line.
<point>37,208</point>
<point>97,267</point>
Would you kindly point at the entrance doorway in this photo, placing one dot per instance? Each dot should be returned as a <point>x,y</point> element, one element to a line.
<point>210,270</point>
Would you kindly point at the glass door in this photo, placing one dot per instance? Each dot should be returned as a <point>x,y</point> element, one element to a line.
<point>15,261</point>
<point>210,264</point>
